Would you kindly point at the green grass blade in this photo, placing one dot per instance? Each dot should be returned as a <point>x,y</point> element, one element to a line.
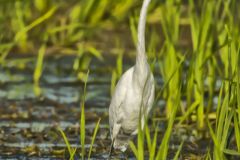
<point>70,150</point>
<point>82,120</point>
<point>73,154</point>
<point>148,138</point>
<point>140,142</point>
<point>237,131</point>
<point>176,157</point>
<point>133,148</point>
<point>215,141</point>
<point>96,53</point>
<point>35,23</point>
<point>38,69</point>
<point>94,137</point>
<point>226,129</point>
<point>163,149</point>
<point>231,152</point>
<point>208,156</point>
<point>154,144</point>
<point>188,112</point>
<point>39,65</point>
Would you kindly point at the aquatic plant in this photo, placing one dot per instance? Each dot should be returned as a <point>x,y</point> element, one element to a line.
<point>72,151</point>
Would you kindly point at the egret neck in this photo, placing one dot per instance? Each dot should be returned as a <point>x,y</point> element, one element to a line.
<point>141,68</point>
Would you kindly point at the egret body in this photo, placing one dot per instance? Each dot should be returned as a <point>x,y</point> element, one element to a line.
<point>134,93</point>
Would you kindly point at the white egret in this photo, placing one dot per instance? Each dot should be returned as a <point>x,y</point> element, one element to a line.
<point>134,93</point>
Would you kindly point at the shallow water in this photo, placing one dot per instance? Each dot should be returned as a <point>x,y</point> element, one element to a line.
<point>28,124</point>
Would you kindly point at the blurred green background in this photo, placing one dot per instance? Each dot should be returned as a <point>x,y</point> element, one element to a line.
<point>65,25</point>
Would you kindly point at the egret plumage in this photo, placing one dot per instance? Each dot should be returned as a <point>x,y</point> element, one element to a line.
<point>134,93</point>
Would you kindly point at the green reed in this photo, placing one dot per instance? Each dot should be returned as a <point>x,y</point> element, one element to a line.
<point>72,151</point>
